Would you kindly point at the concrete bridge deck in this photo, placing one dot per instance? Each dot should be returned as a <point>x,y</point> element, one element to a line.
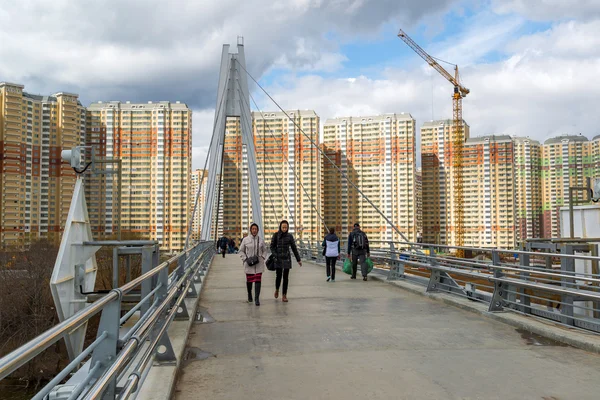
<point>365,340</point>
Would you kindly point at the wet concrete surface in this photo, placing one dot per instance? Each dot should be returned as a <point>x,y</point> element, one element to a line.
<point>365,340</point>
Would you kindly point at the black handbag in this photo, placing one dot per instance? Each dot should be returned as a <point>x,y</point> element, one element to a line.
<point>253,260</point>
<point>271,263</point>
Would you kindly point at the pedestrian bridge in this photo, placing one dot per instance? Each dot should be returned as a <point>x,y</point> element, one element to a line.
<point>365,340</point>
<point>412,331</point>
<point>428,324</point>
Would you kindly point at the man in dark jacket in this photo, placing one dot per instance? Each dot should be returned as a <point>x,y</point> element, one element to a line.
<point>358,249</point>
<point>222,244</point>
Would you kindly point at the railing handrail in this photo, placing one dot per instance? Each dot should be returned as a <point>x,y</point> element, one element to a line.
<point>567,284</point>
<point>23,354</point>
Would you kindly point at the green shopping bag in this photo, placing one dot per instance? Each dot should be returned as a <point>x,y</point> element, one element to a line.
<point>347,266</point>
<point>369,263</point>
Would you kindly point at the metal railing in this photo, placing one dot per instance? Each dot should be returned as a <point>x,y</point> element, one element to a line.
<point>557,279</point>
<point>116,362</point>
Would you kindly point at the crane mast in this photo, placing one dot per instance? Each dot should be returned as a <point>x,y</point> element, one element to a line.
<point>458,140</point>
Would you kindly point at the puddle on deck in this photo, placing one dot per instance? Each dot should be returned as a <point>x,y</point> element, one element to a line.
<point>195,354</point>
<point>202,316</point>
<point>531,339</point>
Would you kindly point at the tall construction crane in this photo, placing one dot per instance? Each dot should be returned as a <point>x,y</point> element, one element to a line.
<point>459,138</point>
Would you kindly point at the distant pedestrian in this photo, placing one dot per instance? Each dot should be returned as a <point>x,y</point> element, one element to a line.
<point>222,245</point>
<point>331,251</point>
<point>231,245</point>
<point>253,252</point>
<point>358,249</point>
<point>281,243</point>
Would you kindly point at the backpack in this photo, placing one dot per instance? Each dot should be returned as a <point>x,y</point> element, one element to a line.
<point>359,240</point>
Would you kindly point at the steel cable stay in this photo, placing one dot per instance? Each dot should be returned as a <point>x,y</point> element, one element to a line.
<point>280,187</point>
<point>342,173</point>
<point>293,169</point>
<point>204,172</point>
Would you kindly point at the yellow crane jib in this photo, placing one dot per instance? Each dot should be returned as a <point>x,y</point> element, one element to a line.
<point>458,140</point>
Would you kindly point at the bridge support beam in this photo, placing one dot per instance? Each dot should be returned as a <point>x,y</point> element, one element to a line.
<point>233,99</point>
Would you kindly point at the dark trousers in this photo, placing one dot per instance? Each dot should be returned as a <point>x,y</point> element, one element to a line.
<point>223,251</point>
<point>330,261</point>
<point>286,274</point>
<point>356,258</point>
<point>257,290</point>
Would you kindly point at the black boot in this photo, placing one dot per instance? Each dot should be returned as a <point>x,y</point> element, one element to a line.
<point>249,287</point>
<point>257,293</point>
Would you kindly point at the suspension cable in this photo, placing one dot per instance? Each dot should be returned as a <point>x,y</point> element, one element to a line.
<point>280,187</point>
<point>342,173</point>
<point>205,164</point>
<point>290,164</point>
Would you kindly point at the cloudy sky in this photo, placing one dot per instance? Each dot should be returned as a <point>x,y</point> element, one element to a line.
<point>533,67</point>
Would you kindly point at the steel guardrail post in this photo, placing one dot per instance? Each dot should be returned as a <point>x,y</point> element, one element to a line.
<point>105,353</point>
<point>147,261</point>
<point>500,288</point>
<point>524,261</point>
<point>434,278</point>
<point>567,265</point>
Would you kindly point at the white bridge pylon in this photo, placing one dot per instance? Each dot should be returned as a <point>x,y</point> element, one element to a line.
<point>232,91</point>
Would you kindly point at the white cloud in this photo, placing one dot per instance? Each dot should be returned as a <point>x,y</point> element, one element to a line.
<point>544,88</point>
<point>550,9</point>
<point>145,50</point>
<point>202,129</point>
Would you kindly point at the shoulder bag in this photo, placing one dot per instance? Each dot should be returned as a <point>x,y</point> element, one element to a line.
<point>253,260</point>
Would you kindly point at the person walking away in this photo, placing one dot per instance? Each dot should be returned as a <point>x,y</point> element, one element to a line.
<point>358,249</point>
<point>231,245</point>
<point>253,253</point>
<point>222,244</point>
<point>281,243</point>
<point>331,251</point>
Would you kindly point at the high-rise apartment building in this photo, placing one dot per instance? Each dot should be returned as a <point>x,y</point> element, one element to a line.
<point>439,207</point>
<point>528,188</point>
<point>378,155</point>
<point>197,188</point>
<point>489,192</point>
<point>153,142</point>
<point>36,187</point>
<point>289,171</point>
<point>595,150</point>
<point>234,196</point>
<point>566,161</point>
<point>419,196</point>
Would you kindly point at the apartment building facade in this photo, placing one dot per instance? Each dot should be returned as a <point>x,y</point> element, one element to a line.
<point>197,189</point>
<point>153,143</point>
<point>378,155</point>
<point>234,197</point>
<point>419,196</point>
<point>567,160</point>
<point>528,185</point>
<point>289,171</point>
<point>439,206</point>
<point>489,192</point>
<point>36,187</point>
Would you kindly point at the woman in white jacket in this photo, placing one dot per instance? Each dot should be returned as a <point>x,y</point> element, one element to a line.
<point>253,252</point>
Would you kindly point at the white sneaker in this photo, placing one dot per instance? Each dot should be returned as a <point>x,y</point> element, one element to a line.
<point>328,278</point>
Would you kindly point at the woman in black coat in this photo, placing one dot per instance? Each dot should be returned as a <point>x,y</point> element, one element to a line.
<point>280,248</point>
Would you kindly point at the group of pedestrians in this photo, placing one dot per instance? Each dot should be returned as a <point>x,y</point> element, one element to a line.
<point>226,245</point>
<point>253,252</point>
<point>357,251</point>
